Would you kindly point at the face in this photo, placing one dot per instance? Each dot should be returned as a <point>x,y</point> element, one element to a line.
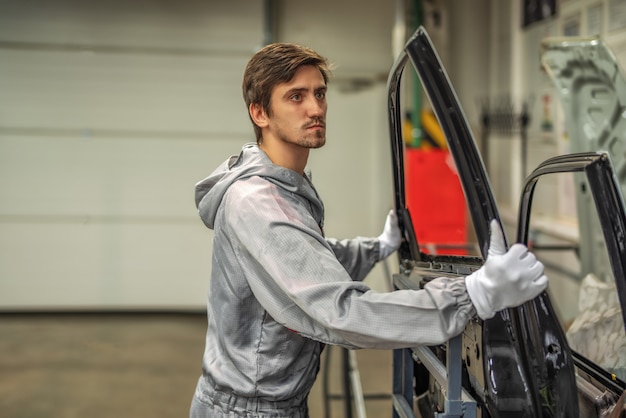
<point>298,109</point>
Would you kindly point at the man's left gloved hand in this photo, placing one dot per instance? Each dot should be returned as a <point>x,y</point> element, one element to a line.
<point>507,279</point>
<point>391,237</point>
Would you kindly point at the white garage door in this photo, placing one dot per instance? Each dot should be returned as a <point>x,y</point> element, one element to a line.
<point>109,114</point>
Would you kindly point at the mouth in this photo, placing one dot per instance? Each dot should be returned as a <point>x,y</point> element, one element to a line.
<point>315,126</point>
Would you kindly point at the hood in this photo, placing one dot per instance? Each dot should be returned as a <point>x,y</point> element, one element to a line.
<point>252,161</point>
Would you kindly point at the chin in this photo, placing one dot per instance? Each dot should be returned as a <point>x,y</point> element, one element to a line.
<point>312,142</point>
<point>319,143</point>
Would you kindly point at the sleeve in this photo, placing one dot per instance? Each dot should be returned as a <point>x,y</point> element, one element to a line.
<point>358,256</point>
<point>297,278</point>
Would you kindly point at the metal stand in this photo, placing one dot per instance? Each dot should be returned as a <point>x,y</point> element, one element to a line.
<point>457,402</point>
<point>352,396</point>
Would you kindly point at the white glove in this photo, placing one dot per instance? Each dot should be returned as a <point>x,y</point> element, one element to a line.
<point>391,238</point>
<point>507,279</point>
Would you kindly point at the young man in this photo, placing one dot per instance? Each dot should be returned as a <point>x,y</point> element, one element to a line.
<point>280,289</point>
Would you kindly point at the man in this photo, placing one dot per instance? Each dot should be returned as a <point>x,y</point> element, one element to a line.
<point>280,289</point>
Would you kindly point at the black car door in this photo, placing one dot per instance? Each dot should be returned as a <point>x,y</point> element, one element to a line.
<point>596,333</point>
<point>496,368</point>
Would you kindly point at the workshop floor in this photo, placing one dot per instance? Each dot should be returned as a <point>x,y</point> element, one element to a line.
<point>135,365</point>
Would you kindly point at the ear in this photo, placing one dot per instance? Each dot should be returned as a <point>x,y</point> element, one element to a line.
<point>258,115</point>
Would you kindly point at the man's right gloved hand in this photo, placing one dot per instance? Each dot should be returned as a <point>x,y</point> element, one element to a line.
<point>507,279</point>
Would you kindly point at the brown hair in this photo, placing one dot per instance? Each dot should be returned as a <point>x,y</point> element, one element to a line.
<point>274,64</point>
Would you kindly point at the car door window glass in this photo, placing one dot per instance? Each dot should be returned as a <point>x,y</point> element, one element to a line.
<point>436,202</point>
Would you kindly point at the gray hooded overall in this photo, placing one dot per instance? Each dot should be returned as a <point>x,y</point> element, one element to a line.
<point>280,290</point>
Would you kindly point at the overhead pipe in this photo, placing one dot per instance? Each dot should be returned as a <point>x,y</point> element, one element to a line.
<point>270,34</point>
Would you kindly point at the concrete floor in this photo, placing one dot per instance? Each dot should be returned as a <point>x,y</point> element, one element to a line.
<point>133,365</point>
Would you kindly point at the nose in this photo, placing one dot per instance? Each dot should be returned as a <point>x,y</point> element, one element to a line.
<point>316,107</point>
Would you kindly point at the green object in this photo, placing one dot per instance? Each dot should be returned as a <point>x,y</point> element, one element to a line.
<point>416,122</point>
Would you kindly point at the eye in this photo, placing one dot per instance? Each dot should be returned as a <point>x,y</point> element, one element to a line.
<point>296,97</point>
<point>320,95</point>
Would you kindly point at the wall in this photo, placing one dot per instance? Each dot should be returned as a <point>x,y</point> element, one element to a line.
<point>112,111</point>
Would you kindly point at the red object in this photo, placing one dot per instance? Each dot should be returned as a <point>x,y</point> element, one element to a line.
<point>436,202</point>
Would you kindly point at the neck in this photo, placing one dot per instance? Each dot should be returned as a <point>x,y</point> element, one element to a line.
<point>284,154</point>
